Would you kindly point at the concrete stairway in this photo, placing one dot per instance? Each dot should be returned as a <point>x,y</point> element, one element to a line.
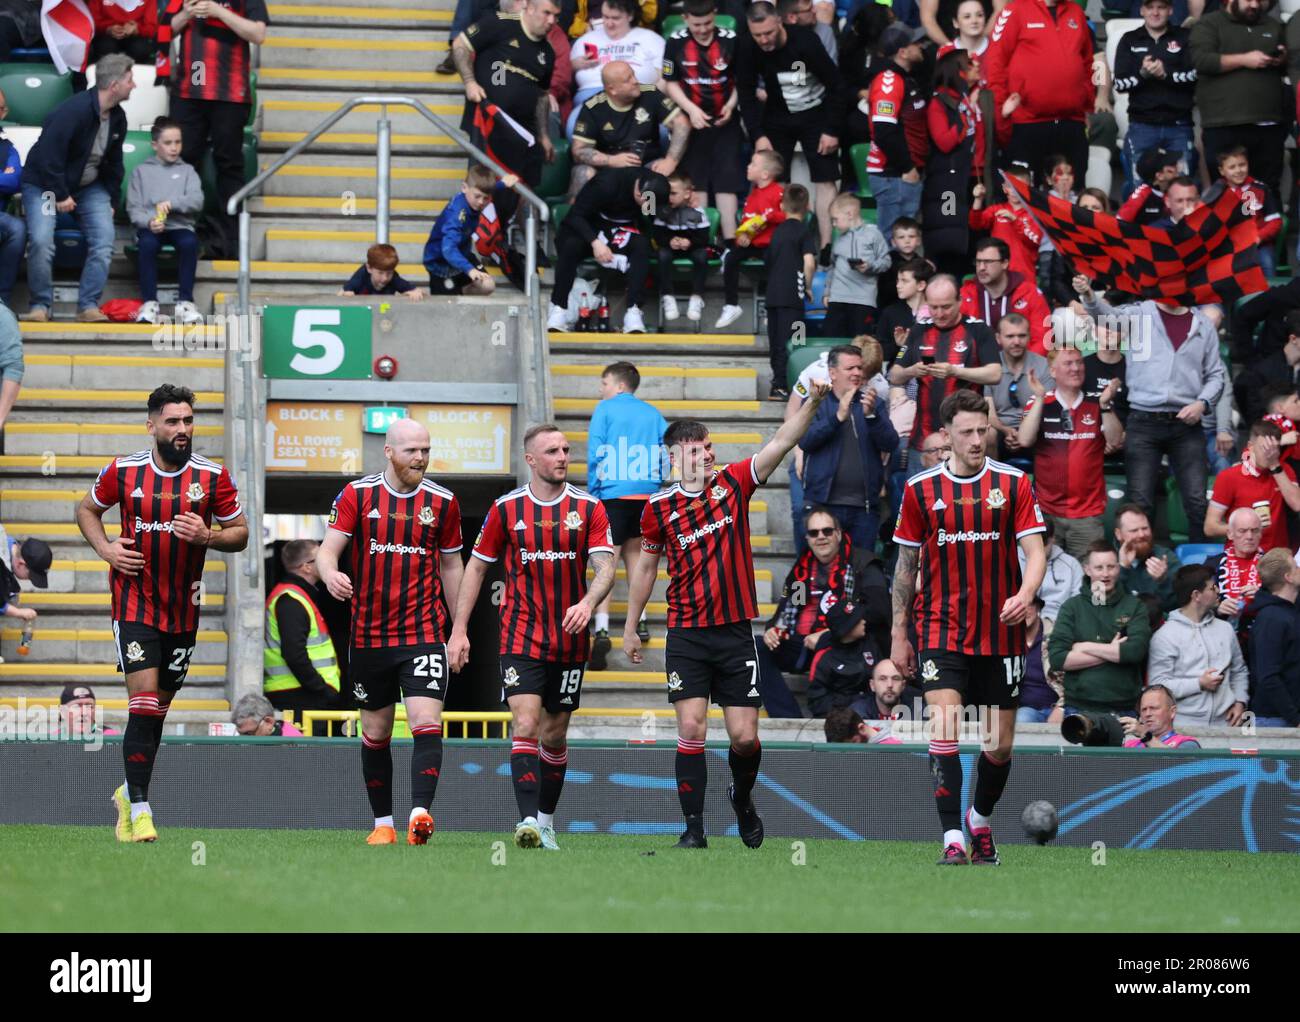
<point>82,404</point>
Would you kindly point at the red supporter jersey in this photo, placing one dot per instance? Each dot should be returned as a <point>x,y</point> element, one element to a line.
<point>765,202</point>
<point>397,543</point>
<point>213,61</point>
<point>967,530</point>
<point>706,534</point>
<point>547,546</point>
<point>1236,487</point>
<point>969,343</point>
<point>1068,455</point>
<point>165,595</point>
<point>895,99</point>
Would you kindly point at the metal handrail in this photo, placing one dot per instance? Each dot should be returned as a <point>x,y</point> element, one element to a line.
<point>238,203</point>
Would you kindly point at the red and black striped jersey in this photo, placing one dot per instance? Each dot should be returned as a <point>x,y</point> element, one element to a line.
<point>547,545</point>
<point>969,344</point>
<point>707,74</point>
<point>167,593</point>
<point>706,535</point>
<point>967,529</point>
<point>1069,457</point>
<point>213,62</point>
<point>398,540</point>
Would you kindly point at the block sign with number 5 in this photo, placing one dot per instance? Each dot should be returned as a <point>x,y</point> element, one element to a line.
<point>311,342</point>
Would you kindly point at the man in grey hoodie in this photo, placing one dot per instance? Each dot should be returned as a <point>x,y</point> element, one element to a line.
<point>1174,376</point>
<point>1196,655</point>
<point>162,200</point>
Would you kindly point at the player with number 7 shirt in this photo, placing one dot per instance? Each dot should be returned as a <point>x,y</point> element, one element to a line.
<point>404,530</point>
<point>546,534</point>
<point>702,523</point>
<point>169,497</point>
<point>958,578</point>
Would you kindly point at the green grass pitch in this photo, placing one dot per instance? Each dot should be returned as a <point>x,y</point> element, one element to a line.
<point>79,879</point>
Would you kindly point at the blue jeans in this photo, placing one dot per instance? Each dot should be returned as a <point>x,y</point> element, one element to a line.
<point>13,238</point>
<point>187,255</point>
<point>1030,715</point>
<point>462,18</point>
<point>94,215</point>
<point>1271,722</point>
<point>1216,461</point>
<point>1141,137</point>
<point>859,523</point>
<point>894,198</point>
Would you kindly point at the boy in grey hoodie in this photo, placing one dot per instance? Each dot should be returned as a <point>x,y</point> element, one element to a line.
<point>162,200</point>
<point>860,255</point>
<point>1196,655</point>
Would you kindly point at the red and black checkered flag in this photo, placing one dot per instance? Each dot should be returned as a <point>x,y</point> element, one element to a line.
<point>1211,256</point>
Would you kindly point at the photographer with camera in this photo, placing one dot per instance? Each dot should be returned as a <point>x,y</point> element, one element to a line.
<point>1153,728</point>
<point>1100,640</point>
<point>1195,655</point>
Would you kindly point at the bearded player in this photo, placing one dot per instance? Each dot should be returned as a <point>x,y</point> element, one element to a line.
<point>958,528</point>
<point>703,524</point>
<point>405,572</point>
<point>169,497</point>
<point>547,533</point>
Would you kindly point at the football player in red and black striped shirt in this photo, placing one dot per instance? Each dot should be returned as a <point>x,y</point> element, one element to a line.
<point>547,532</point>
<point>405,536</point>
<point>168,497</point>
<point>699,75</point>
<point>959,524</point>
<point>702,522</point>
<point>944,355</point>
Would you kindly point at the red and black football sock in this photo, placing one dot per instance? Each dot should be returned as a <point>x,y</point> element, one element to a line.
<point>555,763</point>
<point>426,764</point>
<point>159,721</point>
<point>138,745</point>
<point>692,777</point>
<point>525,769</point>
<point>990,781</point>
<point>744,770</point>
<point>945,768</point>
<point>377,770</point>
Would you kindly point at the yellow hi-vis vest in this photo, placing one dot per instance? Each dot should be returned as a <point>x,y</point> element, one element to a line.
<point>277,676</point>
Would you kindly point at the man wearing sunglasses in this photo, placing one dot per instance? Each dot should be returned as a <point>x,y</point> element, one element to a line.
<point>997,291</point>
<point>1011,393</point>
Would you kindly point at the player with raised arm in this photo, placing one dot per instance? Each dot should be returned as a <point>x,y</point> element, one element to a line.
<point>703,523</point>
<point>405,536</point>
<point>959,575</point>
<point>548,532</point>
<point>169,497</point>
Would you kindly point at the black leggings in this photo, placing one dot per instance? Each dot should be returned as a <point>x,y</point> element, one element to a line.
<point>570,250</point>
<point>699,258</point>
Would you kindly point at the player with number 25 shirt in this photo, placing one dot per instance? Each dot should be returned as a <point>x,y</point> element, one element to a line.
<point>405,536</point>
<point>702,523</point>
<point>959,525</point>
<point>546,534</point>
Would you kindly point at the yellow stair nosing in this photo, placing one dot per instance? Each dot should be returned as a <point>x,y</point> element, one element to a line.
<point>350,13</point>
<point>90,635</point>
<point>79,671</point>
<point>585,404</point>
<point>355,138</point>
<point>92,428</point>
<point>595,369</point>
<point>91,461</point>
<point>327,74</point>
<point>180,703</point>
<point>290,42</point>
<point>47,599</point>
<point>170,361</point>
<point>29,395</point>
<point>100,566</point>
<point>396,173</point>
<point>693,340</point>
<point>137,329</point>
<point>289,234</point>
<point>333,201</point>
<point>326,106</point>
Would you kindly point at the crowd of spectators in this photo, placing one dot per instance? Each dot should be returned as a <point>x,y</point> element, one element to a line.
<point>74,177</point>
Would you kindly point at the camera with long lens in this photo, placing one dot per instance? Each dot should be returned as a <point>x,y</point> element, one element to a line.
<point>1102,729</point>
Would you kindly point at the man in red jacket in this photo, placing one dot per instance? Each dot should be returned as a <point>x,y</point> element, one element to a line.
<point>998,290</point>
<point>1039,66</point>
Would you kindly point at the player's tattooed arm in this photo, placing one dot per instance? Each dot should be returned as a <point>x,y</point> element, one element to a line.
<point>602,561</point>
<point>904,585</point>
<point>900,650</point>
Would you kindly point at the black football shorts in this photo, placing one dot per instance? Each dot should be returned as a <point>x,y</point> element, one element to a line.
<point>382,675</point>
<point>981,680</point>
<point>559,684</point>
<point>143,648</point>
<point>718,662</point>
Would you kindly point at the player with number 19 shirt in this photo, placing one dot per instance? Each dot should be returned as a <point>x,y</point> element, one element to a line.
<point>702,523</point>
<point>404,531</point>
<point>545,534</point>
<point>960,523</point>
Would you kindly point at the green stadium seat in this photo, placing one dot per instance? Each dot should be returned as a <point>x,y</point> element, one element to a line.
<point>555,175</point>
<point>1175,513</point>
<point>802,356</point>
<point>1116,498</point>
<point>136,148</point>
<point>33,91</point>
<point>675,21</point>
<point>858,156</point>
